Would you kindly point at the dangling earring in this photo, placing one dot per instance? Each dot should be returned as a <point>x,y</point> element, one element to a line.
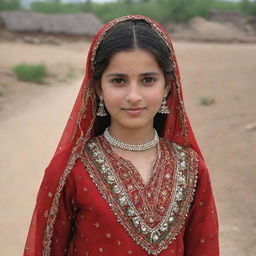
<point>164,108</point>
<point>101,110</point>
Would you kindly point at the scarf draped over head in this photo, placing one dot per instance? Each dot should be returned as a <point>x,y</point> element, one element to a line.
<point>80,128</point>
<point>81,122</point>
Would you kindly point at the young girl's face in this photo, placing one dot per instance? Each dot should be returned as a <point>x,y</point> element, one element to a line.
<point>133,86</point>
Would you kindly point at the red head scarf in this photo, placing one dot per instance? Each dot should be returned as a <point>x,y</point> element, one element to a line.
<point>79,129</point>
<point>81,122</point>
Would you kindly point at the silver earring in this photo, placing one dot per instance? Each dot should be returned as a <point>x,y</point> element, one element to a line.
<point>101,109</point>
<point>164,108</point>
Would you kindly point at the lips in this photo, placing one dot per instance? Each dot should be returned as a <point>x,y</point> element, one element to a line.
<point>133,109</point>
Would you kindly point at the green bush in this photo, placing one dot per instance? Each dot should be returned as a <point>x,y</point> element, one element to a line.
<point>6,5</point>
<point>160,10</point>
<point>206,101</point>
<point>55,7</point>
<point>248,6</point>
<point>30,72</point>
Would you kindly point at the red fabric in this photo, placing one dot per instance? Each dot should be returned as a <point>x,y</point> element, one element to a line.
<point>67,187</point>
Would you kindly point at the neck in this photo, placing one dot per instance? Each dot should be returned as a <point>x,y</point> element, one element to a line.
<point>132,135</point>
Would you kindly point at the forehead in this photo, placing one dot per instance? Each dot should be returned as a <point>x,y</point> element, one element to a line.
<point>131,61</point>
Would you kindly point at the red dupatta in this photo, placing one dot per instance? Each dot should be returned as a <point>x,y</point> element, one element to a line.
<point>79,129</point>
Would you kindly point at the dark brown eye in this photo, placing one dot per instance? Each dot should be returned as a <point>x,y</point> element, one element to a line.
<point>118,80</point>
<point>148,79</point>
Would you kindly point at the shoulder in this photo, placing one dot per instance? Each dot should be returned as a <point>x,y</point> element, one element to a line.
<point>60,166</point>
<point>190,163</point>
<point>91,145</point>
<point>180,151</point>
<point>186,156</point>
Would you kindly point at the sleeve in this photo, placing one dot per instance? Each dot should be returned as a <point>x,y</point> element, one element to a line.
<point>64,227</point>
<point>201,230</point>
<point>64,209</point>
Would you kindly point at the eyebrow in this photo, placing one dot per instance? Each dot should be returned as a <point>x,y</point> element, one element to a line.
<point>151,73</point>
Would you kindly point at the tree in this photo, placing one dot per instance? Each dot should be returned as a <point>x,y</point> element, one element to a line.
<point>88,5</point>
<point>128,2</point>
<point>10,5</point>
<point>248,6</point>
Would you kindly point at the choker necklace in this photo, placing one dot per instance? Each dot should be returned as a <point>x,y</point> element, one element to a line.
<point>131,147</point>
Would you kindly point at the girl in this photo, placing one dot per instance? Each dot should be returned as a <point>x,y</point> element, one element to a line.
<point>128,177</point>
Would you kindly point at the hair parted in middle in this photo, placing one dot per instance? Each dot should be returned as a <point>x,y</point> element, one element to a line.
<point>127,36</point>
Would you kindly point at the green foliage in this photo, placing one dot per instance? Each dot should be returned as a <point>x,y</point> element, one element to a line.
<point>248,6</point>
<point>30,72</point>
<point>109,11</point>
<point>206,101</point>
<point>54,7</point>
<point>183,10</point>
<point>225,6</point>
<point>6,5</point>
<point>1,91</point>
<point>160,10</point>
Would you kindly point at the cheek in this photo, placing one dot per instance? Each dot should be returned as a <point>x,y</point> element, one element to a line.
<point>156,96</point>
<point>112,98</point>
<point>157,100</point>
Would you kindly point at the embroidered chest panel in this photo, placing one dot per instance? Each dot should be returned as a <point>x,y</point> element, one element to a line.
<point>151,213</point>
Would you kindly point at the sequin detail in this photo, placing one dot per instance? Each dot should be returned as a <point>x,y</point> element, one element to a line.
<point>51,216</point>
<point>152,222</point>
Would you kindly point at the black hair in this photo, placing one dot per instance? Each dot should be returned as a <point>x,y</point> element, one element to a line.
<point>126,36</point>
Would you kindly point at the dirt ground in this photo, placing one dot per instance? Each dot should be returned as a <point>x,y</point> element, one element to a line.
<point>33,116</point>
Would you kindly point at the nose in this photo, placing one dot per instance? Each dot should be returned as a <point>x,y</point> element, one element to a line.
<point>133,93</point>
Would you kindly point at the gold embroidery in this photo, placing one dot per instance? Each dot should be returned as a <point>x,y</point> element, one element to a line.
<point>153,235</point>
<point>89,97</point>
<point>108,235</point>
<point>55,208</point>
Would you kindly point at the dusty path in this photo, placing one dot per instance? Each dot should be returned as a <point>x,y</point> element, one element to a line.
<point>226,73</point>
<point>28,141</point>
<point>29,134</point>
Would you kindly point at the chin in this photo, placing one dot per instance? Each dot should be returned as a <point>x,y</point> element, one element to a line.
<point>136,124</point>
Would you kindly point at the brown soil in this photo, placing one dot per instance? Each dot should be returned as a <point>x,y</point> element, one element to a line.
<point>33,117</point>
<point>201,30</point>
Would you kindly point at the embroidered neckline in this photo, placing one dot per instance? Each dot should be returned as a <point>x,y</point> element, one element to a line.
<point>131,165</point>
<point>154,214</point>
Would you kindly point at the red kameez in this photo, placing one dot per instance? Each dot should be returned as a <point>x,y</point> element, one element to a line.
<point>93,202</point>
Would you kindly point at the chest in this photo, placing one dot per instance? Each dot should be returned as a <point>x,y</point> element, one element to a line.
<point>98,221</point>
<point>151,213</point>
<point>143,163</point>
